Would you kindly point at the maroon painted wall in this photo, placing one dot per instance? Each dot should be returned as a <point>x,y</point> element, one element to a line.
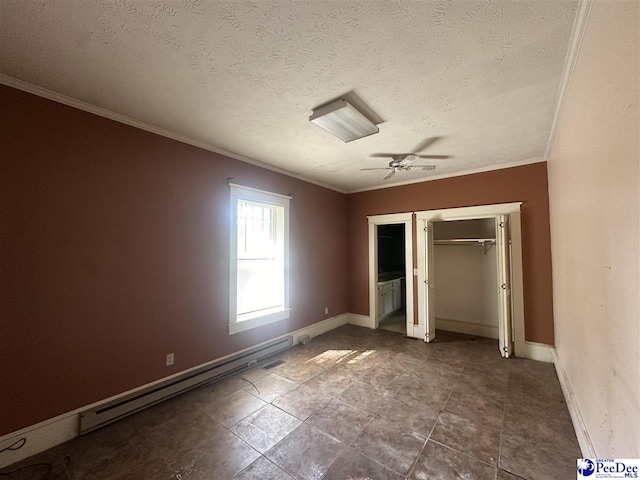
<point>115,251</point>
<point>527,184</point>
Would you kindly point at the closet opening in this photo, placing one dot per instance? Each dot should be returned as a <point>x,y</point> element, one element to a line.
<point>391,286</point>
<point>466,275</point>
<point>469,263</point>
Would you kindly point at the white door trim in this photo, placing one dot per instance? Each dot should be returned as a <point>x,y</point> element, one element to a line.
<point>374,221</point>
<point>469,213</point>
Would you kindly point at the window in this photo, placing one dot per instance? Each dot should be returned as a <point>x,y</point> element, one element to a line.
<point>259,258</point>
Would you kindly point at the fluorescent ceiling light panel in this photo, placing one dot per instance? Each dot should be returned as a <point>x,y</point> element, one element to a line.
<point>343,120</point>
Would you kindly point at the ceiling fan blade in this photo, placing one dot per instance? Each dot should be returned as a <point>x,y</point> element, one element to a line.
<point>435,157</point>
<point>424,167</point>
<point>427,142</point>
<point>381,168</point>
<point>383,155</point>
<point>390,174</point>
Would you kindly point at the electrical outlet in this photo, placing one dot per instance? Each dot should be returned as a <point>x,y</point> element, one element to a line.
<point>326,310</point>
<point>170,359</point>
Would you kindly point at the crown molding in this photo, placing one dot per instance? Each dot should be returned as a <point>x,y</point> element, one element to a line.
<point>117,117</point>
<point>575,45</point>
<point>455,174</point>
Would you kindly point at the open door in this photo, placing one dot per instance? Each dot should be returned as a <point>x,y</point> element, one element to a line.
<point>426,327</point>
<point>504,285</point>
<point>429,285</point>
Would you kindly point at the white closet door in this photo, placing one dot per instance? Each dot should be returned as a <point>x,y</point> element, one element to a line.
<point>504,285</point>
<point>429,285</point>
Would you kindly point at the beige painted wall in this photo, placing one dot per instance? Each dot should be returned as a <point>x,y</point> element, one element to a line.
<point>466,275</point>
<point>593,194</point>
<point>466,284</point>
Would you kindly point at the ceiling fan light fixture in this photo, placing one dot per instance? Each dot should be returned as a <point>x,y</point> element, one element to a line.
<point>343,120</point>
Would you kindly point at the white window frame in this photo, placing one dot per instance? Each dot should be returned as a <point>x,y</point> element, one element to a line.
<point>239,192</point>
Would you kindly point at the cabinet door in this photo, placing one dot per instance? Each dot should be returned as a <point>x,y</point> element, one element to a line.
<point>381,311</point>
<point>388,300</point>
<point>397,296</point>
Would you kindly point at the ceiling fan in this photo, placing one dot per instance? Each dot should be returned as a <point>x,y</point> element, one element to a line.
<point>404,161</point>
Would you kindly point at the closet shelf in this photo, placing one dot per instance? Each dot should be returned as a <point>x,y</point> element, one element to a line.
<point>481,242</point>
<point>466,241</point>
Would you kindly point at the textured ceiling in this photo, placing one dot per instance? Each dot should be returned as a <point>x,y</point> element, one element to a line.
<point>243,77</point>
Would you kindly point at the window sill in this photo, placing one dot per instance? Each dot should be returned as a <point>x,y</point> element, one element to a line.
<point>241,326</point>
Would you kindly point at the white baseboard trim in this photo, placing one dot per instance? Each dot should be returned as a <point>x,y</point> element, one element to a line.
<point>360,320</point>
<point>468,328</point>
<point>580,427</point>
<point>65,427</point>
<point>40,437</point>
<point>321,327</point>
<point>535,351</point>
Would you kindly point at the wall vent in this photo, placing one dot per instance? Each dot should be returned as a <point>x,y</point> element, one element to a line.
<point>117,409</point>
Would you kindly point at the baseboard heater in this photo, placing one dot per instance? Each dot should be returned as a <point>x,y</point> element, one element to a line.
<point>113,411</point>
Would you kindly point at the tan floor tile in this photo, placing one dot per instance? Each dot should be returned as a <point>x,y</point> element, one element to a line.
<point>265,428</point>
<point>393,446</point>
<point>341,421</point>
<point>306,453</point>
<point>222,457</point>
<point>365,397</point>
<point>270,387</point>
<point>302,402</point>
<point>419,417</point>
<point>477,408</point>
<point>234,408</point>
<point>440,462</point>
<point>263,469</point>
<point>354,465</point>
<point>479,441</point>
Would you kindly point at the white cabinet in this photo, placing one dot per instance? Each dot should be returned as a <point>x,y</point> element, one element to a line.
<point>389,297</point>
<point>385,299</point>
<point>396,294</point>
<point>381,295</point>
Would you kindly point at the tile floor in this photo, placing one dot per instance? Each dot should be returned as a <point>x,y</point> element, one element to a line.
<point>352,404</point>
<point>395,323</point>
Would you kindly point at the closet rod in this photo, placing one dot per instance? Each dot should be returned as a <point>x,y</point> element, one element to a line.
<point>481,242</point>
<point>466,241</point>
